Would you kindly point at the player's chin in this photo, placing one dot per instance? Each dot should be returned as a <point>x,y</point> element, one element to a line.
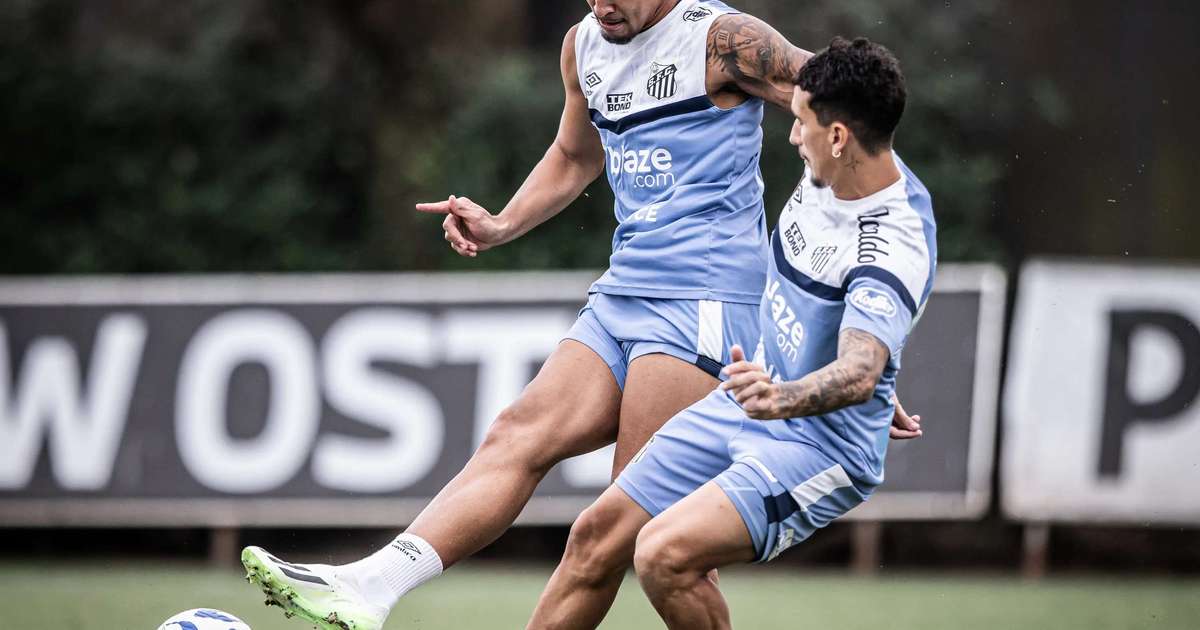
<point>620,41</point>
<point>619,33</point>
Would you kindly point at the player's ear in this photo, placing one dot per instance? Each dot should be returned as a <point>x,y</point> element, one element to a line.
<point>839,138</point>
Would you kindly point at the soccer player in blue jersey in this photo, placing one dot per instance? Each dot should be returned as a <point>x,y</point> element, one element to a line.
<point>797,437</point>
<point>666,98</point>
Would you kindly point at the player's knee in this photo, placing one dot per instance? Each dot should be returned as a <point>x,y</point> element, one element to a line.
<point>519,436</point>
<point>594,554</point>
<point>587,532</point>
<point>660,556</point>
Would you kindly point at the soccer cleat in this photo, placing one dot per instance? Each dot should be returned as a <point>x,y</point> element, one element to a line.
<point>313,592</point>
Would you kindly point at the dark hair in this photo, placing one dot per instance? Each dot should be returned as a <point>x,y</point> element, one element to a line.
<point>858,83</point>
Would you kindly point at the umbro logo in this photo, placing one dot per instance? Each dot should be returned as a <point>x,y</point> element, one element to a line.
<point>406,548</point>
<point>697,14</point>
<point>593,79</point>
<point>661,83</point>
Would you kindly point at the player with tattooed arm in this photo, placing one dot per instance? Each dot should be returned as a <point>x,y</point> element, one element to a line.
<point>666,98</point>
<point>797,437</point>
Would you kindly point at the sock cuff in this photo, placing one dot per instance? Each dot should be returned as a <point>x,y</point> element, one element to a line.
<point>413,562</point>
<point>419,551</point>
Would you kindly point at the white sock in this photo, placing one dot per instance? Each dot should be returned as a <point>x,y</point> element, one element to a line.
<point>402,565</point>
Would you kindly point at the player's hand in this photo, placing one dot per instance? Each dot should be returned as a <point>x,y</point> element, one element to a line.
<point>469,228</point>
<point>904,426</point>
<point>752,388</point>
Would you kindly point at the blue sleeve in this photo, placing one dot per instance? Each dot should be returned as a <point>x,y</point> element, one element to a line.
<point>879,307</point>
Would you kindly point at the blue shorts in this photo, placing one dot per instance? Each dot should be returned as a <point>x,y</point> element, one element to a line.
<point>783,489</point>
<point>621,328</point>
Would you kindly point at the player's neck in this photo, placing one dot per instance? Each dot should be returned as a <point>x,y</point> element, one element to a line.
<point>862,175</point>
<point>664,9</point>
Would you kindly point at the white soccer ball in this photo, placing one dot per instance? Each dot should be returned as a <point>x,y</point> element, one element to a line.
<point>204,619</point>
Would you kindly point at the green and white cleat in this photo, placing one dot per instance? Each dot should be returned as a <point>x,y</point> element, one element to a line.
<point>312,592</point>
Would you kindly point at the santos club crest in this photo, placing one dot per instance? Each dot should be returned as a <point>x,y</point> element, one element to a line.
<point>662,81</point>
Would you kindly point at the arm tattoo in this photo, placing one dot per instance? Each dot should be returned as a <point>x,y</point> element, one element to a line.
<point>756,58</point>
<point>849,380</point>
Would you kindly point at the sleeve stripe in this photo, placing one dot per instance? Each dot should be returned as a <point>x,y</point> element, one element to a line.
<point>886,277</point>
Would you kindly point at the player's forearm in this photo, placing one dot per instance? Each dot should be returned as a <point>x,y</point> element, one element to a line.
<point>835,386</point>
<point>557,180</point>
<point>849,380</point>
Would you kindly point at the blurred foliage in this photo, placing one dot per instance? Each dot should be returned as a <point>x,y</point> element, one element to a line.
<point>267,135</point>
<point>214,150</point>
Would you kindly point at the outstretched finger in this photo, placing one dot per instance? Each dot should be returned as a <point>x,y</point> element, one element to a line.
<point>437,207</point>
<point>736,354</point>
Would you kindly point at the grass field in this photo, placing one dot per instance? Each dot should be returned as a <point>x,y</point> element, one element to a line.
<point>139,597</point>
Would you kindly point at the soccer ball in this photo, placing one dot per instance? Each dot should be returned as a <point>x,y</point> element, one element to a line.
<point>203,619</point>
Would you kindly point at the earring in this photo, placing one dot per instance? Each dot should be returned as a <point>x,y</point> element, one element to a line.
<point>837,154</point>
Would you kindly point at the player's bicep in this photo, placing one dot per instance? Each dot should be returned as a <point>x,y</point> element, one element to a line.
<point>755,57</point>
<point>882,308</point>
<point>577,139</point>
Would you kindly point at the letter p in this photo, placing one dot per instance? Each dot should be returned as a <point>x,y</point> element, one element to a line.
<point>1120,410</point>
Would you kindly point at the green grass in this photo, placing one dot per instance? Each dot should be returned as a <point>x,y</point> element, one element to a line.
<point>136,597</point>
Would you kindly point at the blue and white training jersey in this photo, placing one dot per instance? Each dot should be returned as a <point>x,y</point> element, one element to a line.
<point>684,172</point>
<point>866,264</point>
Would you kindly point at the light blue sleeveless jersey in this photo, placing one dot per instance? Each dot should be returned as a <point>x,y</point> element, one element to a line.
<point>684,172</point>
<point>866,264</point>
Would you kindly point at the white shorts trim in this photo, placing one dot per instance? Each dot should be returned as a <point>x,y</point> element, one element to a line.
<point>711,337</point>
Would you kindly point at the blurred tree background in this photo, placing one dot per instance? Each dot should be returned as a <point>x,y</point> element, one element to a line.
<point>268,135</point>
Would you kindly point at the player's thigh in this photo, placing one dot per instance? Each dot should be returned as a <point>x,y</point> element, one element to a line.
<point>702,531</point>
<point>571,407</point>
<point>658,387</point>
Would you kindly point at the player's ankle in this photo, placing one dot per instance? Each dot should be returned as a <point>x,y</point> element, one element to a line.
<point>405,563</point>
